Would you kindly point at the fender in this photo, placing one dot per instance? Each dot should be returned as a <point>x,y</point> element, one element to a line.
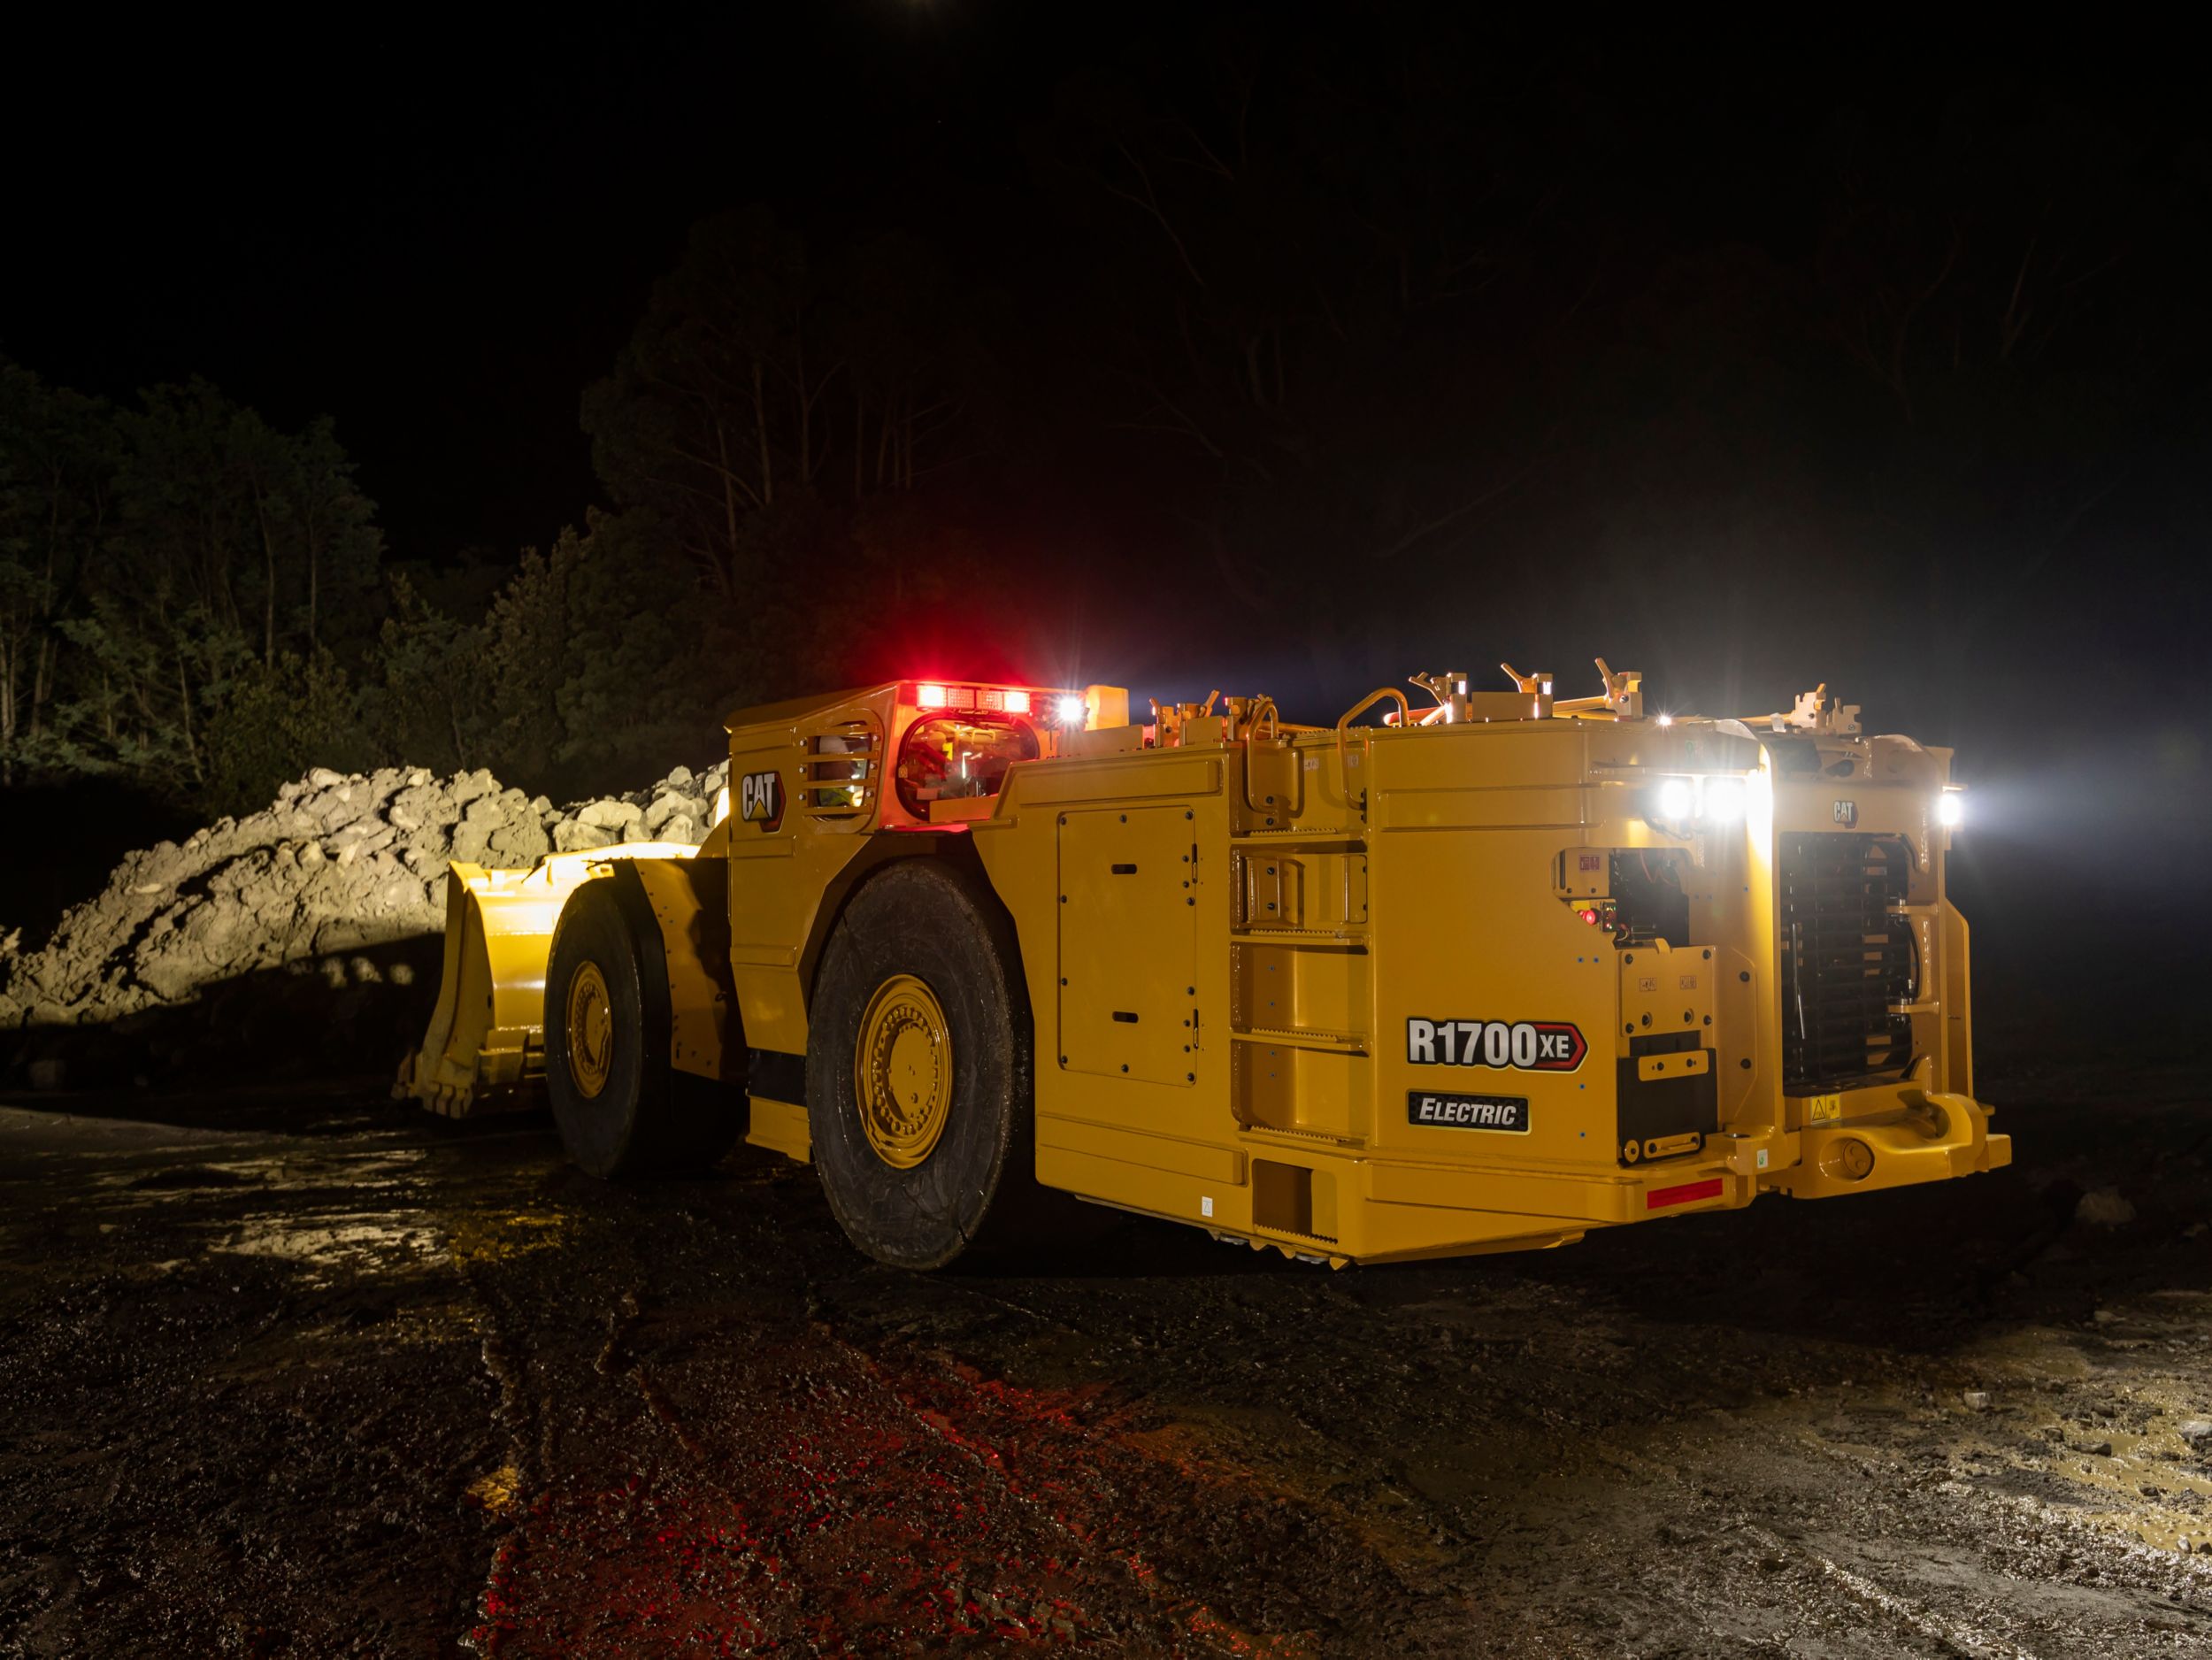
<point>685,903</point>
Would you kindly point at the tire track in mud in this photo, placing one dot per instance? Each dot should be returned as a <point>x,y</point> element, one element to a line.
<point>744,1476</point>
<point>909,1507</point>
<point>607,1552</point>
<point>1636,1522</point>
<point>1999,1610</point>
<point>789,1450</point>
<point>1703,1521</point>
<point>490,1227</point>
<point>519,1421</point>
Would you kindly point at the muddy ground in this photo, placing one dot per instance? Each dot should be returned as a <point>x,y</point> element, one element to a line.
<point>305,1373</point>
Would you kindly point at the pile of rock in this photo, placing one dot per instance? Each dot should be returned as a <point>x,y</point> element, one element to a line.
<point>308,929</point>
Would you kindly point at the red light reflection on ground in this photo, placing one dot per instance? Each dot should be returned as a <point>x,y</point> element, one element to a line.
<point>811,1497</point>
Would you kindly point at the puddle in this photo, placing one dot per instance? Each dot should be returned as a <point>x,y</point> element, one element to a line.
<point>356,1241</point>
<point>500,1236</point>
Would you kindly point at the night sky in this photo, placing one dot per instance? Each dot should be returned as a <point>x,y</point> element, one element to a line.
<point>440,234</point>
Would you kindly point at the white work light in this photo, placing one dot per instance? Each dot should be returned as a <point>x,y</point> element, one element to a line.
<point>1950,810</point>
<point>1072,710</point>
<point>1675,799</point>
<point>1722,802</point>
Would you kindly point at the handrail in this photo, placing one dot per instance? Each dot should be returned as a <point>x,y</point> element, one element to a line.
<point>1405,708</point>
<point>1343,725</point>
<point>1251,737</point>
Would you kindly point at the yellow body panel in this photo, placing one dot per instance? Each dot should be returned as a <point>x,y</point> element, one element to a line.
<point>1466,982</point>
<point>1412,875</point>
<point>814,810</point>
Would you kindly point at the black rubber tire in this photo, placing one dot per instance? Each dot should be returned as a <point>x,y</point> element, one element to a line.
<point>650,1119</point>
<point>929,919</point>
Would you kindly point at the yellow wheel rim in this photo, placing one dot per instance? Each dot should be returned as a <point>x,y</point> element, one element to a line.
<point>590,1030</point>
<point>902,1071</point>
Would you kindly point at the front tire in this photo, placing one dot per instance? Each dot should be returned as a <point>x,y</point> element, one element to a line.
<point>919,1071</point>
<point>622,1108</point>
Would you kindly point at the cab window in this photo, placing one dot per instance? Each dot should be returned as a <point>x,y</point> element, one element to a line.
<point>958,757</point>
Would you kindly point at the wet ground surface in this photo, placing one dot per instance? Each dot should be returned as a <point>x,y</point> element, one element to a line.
<point>307,1374</point>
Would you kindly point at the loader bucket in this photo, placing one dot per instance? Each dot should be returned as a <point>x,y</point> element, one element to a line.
<point>485,1049</point>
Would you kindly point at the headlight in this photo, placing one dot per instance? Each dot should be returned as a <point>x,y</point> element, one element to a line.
<point>1675,803</point>
<point>1950,810</point>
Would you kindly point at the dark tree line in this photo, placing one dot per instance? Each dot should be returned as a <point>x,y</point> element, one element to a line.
<point>201,605</point>
<point>175,577</point>
<point>1287,340</point>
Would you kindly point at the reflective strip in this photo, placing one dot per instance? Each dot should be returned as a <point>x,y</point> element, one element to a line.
<point>1689,1193</point>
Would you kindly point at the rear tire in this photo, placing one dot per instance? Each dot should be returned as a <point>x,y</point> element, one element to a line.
<point>919,1071</point>
<point>622,1109</point>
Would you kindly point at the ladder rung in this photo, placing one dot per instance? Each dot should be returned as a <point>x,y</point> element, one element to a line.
<point>1333,1043</point>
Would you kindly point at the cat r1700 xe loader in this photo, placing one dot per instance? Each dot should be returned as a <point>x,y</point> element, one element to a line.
<point>1488,974</point>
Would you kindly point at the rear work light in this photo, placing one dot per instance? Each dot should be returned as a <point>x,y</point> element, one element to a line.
<point>932,696</point>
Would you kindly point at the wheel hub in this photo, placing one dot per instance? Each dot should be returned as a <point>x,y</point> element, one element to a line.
<point>902,1071</point>
<point>590,1030</point>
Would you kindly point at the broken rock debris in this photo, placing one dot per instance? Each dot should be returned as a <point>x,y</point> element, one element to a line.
<point>338,883</point>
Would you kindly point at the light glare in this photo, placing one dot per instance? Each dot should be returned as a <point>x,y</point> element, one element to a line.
<point>1723,800</point>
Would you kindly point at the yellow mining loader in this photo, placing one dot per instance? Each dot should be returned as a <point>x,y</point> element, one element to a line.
<point>1478,971</point>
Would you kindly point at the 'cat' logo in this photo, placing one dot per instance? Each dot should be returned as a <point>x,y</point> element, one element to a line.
<point>760,800</point>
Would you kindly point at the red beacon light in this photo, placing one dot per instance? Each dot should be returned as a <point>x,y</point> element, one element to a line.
<point>993,700</point>
<point>987,699</point>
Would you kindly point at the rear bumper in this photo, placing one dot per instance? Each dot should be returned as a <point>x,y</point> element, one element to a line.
<point>1908,1134</point>
<point>1361,1209</point>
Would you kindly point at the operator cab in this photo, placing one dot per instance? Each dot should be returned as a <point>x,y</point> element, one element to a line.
<point>950,767</point>
<point>957,742</point>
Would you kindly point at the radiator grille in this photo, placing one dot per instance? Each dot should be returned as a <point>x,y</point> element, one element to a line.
<point>1847,959</point>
